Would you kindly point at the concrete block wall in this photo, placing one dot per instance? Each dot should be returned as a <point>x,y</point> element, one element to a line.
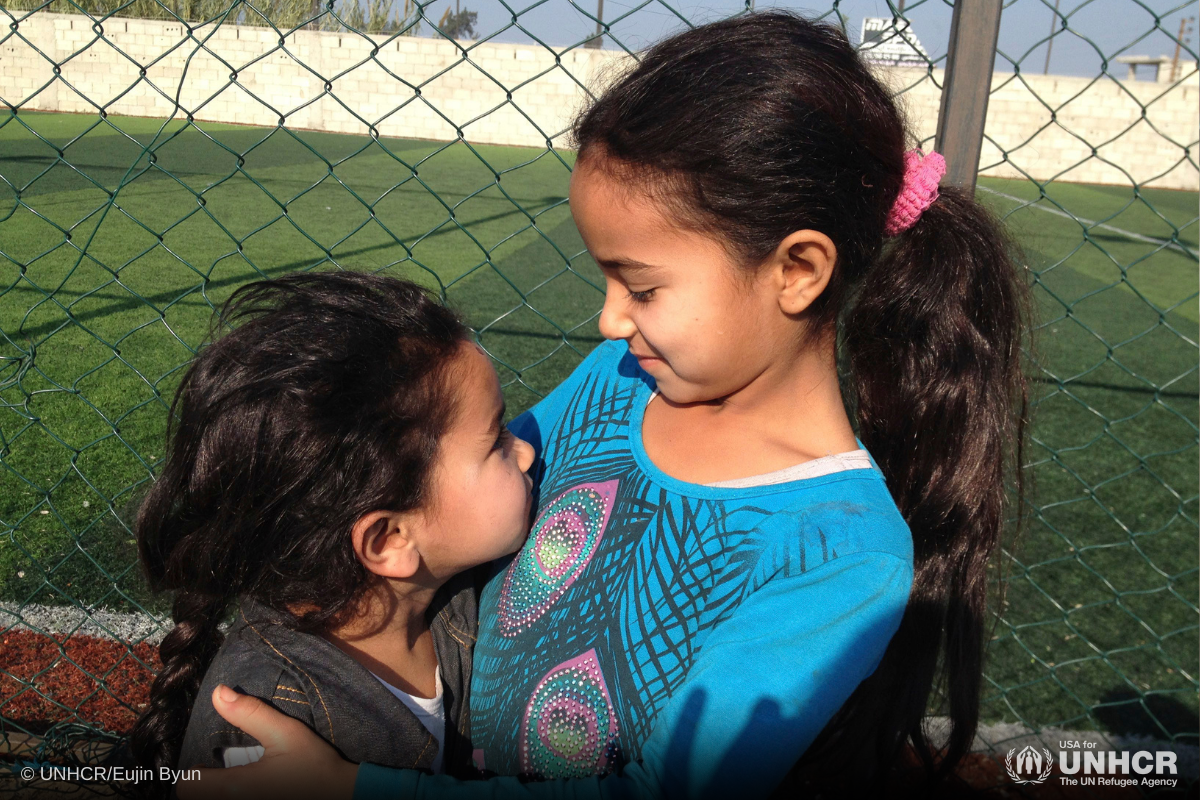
<point>1047,126</point>
<point>337,82</point>
<point>1041,126</point>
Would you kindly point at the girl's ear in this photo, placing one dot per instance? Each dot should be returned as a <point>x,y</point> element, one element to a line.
<point>385,545</point>
<point>803,264</point>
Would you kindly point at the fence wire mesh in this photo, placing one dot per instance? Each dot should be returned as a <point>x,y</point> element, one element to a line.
<point>154,156</point>
<point>1099,627</point>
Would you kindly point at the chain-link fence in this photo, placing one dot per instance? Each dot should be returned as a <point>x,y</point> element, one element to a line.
<point>1099,628</point>
<point>155,155</point>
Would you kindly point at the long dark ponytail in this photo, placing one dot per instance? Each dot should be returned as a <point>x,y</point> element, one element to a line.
<point>758,126</point>
<point>325,402</point>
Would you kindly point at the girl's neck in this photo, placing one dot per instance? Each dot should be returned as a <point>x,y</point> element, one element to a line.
<point>787,415</point>
<point>390,637</point>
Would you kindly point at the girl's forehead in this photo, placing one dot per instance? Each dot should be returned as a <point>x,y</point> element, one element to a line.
<point>616,209</point>
<point>625,229</point>
<point>600,177</point>
<point>470,365</point>
<point>480,362</point>
<point>475,384</point>
<point>589,185</point>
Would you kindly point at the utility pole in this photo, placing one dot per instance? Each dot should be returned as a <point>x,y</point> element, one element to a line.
<point>1183,29</point>
<point>595,43</point>
<point>1050,41</point>
<point>970,57</point>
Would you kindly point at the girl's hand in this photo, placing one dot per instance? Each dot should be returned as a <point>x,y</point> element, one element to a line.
<point>297,763</point>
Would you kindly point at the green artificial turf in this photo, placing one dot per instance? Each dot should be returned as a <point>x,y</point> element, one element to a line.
<point>1101,608</point>
<point>103,302</point>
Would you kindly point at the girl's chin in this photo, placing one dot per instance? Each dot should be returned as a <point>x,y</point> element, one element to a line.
<point>678,393</point>
<point>674,389</point>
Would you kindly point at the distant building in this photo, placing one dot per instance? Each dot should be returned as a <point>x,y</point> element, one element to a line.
<point>1164,68</point>
<point>891,42</point>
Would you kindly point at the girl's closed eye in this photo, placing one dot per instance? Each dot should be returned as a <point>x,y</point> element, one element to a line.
<point>641,297</point>
<point>503,438</point>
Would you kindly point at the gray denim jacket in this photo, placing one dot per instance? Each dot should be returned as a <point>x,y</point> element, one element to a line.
<point>307,677</point>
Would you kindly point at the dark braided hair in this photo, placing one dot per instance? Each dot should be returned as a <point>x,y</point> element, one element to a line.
<point>755,127</point>
<point>325,402</point>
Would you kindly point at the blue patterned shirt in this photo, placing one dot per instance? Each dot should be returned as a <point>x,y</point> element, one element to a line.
<point>656,638</point>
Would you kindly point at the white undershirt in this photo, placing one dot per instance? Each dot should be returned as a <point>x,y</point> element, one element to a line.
<point>429,710</point>
<point>825,465</point>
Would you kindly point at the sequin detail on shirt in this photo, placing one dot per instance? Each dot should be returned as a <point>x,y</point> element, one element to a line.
<point>559,547</point>
<point>570,727</point>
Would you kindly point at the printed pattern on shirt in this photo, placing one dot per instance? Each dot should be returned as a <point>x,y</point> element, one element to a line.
<point>570,728</point>
<point>559,547</point>
<point>664,570</point>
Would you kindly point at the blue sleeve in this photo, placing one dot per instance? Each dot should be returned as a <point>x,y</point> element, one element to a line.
<point>534,423</point>
<point>762,687</point>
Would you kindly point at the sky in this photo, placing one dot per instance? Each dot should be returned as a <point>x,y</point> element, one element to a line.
<point>1114,27</point>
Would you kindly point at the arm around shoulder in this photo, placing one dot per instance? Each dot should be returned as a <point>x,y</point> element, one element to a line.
<point>762,687</point>
<point>209,736</point>
<point>534,423</point>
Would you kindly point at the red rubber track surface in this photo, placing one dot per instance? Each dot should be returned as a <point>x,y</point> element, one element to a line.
<point>46,679</point>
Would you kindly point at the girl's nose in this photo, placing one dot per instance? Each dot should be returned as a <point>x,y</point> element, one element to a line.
<point>614,322</point>
<point>524,454</point>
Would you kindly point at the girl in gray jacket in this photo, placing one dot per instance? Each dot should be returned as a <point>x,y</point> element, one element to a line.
<point>337,464</point>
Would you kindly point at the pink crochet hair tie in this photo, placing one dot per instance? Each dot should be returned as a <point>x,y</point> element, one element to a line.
<point>921,176</point>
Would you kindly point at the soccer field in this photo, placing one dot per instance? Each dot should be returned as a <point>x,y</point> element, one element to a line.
<point>115,256</point>
<point>111,299</point>
<point>1101,607</point>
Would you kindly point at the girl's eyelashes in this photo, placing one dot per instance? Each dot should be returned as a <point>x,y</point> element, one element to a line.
<point>641,297</point>
<point>503,438</point>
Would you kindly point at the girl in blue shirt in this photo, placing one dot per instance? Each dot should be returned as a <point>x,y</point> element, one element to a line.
<point>730,586</point>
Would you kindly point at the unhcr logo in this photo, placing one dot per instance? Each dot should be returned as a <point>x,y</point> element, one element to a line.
<point>1094,769</point>
<point>1029,766</point>
<point>1080,763</point>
